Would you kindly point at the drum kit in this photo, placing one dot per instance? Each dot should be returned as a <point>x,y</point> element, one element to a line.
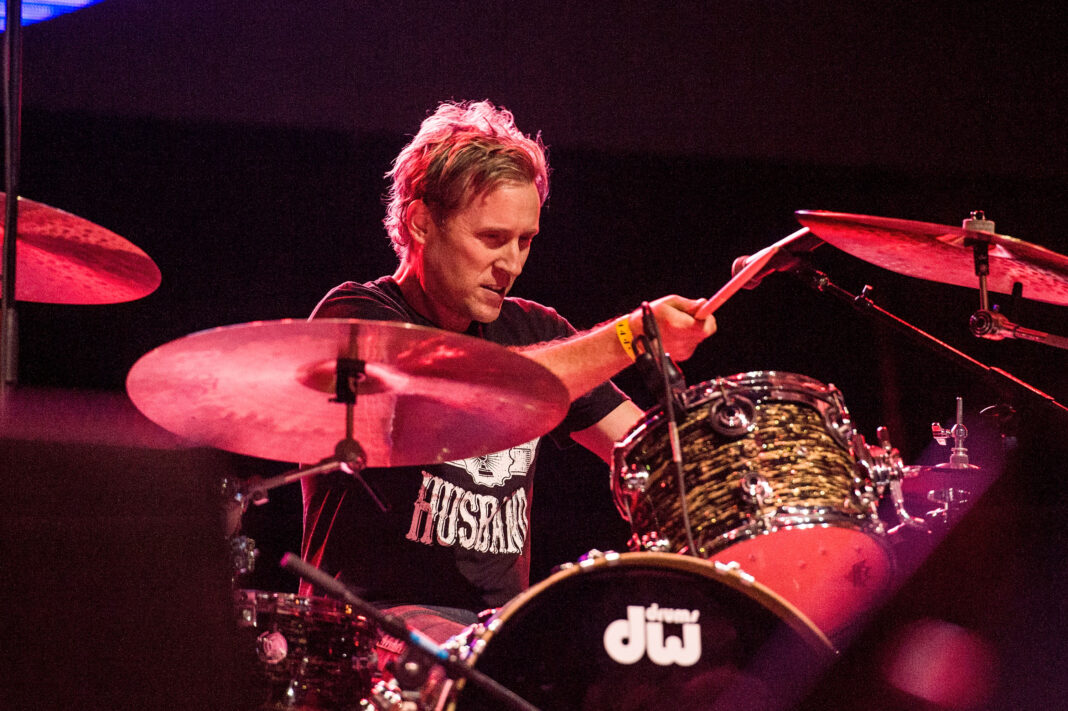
<point>759,513</point>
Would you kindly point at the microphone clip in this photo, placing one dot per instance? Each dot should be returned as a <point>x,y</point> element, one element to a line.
<point>660,373</point>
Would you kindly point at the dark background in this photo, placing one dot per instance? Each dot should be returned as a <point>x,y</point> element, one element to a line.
<point>242,146</point>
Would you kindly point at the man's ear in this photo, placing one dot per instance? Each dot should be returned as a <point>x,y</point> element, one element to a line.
<point>419,220</point>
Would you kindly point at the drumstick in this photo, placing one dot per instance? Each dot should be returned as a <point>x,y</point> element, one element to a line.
<point>753,265</point>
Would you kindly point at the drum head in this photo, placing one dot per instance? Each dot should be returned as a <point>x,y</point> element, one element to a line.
<point>648,631</point>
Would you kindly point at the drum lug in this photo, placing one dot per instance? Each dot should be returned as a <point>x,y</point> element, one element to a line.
<point>836,417</point>
<point>731,415</point>
<point>387,696</point>
<point>272,648</point>
<point>651,542</point>
<point>635,480</point>
<point>734,568</point>
<point>757,491</point>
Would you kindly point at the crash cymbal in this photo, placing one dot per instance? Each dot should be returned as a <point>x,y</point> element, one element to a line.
<point>939,253</point>
<point>265,389</point>
<point>63,259</point>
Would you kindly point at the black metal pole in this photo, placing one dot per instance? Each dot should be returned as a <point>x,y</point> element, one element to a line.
<point>1007,383</point>
<point>12,137</point>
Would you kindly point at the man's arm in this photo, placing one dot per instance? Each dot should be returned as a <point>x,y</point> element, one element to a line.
<point>587,359</point>
<point>601,438</point>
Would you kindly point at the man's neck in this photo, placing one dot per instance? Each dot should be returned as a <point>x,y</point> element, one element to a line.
<point>407,278</point>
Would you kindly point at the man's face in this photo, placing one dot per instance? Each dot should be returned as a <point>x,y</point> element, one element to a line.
<point>471,261</point>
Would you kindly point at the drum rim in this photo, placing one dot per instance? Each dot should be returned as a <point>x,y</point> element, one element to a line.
<point>811,518</point>
<point>768,380</point>
<point>325,609</point>
<point>471,643</point>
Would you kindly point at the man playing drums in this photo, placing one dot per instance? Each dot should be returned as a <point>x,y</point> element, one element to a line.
<point>463,213</point>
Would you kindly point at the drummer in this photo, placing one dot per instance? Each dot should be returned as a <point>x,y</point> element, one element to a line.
<point>463,214</point>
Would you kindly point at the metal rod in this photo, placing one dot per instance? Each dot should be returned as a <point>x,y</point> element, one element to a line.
<point>994,376</point>
<point>12,138</point>
<point>396,627</point>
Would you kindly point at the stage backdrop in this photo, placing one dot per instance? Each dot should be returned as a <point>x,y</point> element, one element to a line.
<point>243,148</point>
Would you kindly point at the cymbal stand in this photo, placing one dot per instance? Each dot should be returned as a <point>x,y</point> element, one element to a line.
<point>12,139</point>
<point>349,457</point>
<point>990,323</point>
<point>950,499</point>
<point>422,646</point>
<point>998,378</point>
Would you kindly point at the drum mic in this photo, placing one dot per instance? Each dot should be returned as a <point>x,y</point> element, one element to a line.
<point>656,366</point>
<point>786,258</point>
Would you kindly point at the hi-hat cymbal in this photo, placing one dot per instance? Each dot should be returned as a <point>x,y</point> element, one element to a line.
<point>940,253</point>
<point>265,389</point>
<point>63,259</point>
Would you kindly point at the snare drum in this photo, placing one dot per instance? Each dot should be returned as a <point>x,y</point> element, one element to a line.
<point>771,483</point>
<point>642,631</point>
<point>302,652</point>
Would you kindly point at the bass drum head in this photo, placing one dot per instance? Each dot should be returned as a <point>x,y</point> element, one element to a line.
<point>647,632</point>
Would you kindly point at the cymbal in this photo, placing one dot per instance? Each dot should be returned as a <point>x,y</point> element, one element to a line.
<point>939,253</point>
<point>922,479</point>
<point>264,389</point>
<point>64,259</point>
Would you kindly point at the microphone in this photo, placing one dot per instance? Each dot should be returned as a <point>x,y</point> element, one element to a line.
<point>659,371</point>
<point>785,258</point>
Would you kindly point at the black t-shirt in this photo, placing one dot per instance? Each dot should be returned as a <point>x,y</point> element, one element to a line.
<point>457,533</point>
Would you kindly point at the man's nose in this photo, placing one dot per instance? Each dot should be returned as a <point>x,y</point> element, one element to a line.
<point>510,259</point>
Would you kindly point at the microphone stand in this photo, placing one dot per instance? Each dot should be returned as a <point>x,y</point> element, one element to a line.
<point>995,376</point>
<point>670,380</point>
<point>396,627</point>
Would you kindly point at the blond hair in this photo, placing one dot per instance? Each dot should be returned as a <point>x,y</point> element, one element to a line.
<point>461,150</point>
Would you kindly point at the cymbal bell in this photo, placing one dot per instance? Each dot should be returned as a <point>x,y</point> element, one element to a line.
<point>266,389</point>
<point>943,254</point>
<point>64,259</point>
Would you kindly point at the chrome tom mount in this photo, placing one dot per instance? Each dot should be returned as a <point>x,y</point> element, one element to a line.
<point>941,482</point>
<point>886,470</point>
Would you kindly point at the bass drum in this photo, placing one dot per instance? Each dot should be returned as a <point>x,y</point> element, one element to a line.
<point>643,632</point>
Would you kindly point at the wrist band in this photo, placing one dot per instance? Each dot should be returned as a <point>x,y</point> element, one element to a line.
<point>626,338</point>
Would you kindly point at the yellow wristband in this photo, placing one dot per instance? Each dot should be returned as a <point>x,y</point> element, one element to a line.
<point>626,338</point>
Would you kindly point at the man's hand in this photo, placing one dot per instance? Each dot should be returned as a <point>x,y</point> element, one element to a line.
<point>680,332</point>
<point>588,359</point>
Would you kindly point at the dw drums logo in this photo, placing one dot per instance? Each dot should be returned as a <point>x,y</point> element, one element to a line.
<point>642,634</point>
